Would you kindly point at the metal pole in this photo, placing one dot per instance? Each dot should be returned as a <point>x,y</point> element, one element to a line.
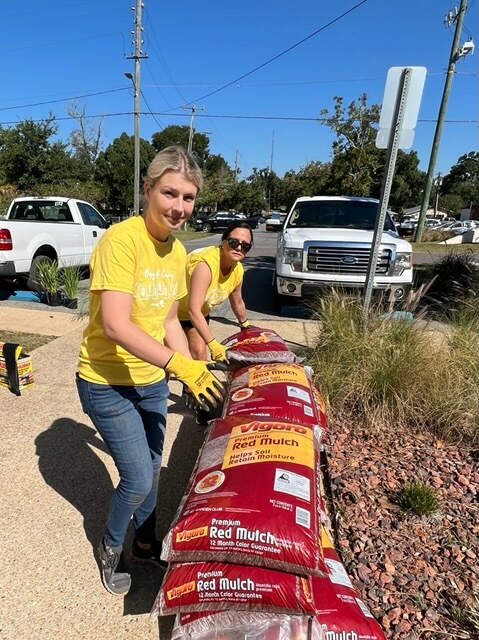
<point>393,147</point>
<point>190,138</point>
<point>440,120</point>
<point>135,79</point>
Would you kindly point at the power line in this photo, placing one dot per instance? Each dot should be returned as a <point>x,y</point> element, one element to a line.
<point>223,116</point>
<point>260,66</point>
<point>84,95</point>
<point>150,112</point>
<point>265,84</point>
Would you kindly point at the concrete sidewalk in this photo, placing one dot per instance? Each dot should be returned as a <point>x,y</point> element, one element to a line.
<point>57,478</point>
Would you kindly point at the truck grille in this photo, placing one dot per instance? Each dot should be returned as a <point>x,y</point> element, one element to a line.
<point>345,260</point>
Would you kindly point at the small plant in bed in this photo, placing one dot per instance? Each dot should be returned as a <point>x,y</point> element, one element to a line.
<point>70,277</point>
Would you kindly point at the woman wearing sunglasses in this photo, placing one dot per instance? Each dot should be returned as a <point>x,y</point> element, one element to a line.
<point>214,274</point>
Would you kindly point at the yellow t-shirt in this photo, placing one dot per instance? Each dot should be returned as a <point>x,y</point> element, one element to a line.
<point>128,259</point>
<point>220,287</point>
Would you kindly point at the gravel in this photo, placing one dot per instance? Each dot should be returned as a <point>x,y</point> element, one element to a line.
<point>418,575</point>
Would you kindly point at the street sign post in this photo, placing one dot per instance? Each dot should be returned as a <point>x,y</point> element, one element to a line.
<point>402,98</point>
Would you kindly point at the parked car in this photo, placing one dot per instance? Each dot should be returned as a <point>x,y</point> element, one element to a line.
<point>275,221</point>
<point>219,220</point>
<point>406,228</point>
<point>462,226</point>
<point>41,229</point>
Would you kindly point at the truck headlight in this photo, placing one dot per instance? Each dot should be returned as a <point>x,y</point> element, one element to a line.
<point>293,257</point>
<point>403,261</point>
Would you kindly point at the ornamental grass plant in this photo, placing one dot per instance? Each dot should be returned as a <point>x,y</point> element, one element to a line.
<point>70,277</point>
<point>389,372</point>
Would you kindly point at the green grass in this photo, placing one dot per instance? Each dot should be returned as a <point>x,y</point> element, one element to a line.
<point>418,499</point>
<point>389,373</point>
<point>435,247</point>
<point>191,235</point>
<point>29,341</point>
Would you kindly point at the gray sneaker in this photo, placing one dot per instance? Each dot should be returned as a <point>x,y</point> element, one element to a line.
<point>116,583</point>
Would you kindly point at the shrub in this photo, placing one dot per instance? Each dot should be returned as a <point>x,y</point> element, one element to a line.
<point>70,277</point>
<point>454,277</point>
<point>437,235</point>
<point>417,498</point>
<point>48,275</point>
<point>388,372</point>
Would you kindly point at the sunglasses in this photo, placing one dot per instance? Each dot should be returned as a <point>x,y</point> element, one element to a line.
<point>234,243</point>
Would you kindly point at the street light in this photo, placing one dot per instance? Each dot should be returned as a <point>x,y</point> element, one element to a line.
<point>437,184</point>
<point>136,138</point>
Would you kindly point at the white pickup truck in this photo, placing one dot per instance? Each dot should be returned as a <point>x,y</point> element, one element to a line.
<point>326,242</point>
<point>42,228</point>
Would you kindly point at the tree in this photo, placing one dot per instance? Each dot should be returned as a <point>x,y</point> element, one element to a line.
<point>408,180</point>
<point>115,170</point>
<point>85,142</point>
<point>179,135</point>
<point>463,179</point>
<point>354,158</point>
<point>28,158</point>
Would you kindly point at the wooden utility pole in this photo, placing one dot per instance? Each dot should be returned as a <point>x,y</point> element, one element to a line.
<point>190,137</point>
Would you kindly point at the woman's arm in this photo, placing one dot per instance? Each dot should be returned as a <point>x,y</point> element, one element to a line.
<point>199,282</point>
<point>117,324</point>
<point>175,337</point>
<point>237,304</point>
<point>116,316</point>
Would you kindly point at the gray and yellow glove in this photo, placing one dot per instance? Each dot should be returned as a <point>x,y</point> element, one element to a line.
<point>245,324</point>
<point>206,389</point>
<point>218,350</point>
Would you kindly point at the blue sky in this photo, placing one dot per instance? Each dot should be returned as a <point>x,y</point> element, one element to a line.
<point>59,49</point>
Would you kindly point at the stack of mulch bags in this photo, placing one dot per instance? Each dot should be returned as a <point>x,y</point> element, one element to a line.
<point>249,551</point>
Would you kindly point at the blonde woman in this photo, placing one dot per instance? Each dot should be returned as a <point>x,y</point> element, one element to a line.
<point>132,340</point>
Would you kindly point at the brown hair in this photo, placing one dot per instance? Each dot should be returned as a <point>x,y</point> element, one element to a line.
<point>237,224</point>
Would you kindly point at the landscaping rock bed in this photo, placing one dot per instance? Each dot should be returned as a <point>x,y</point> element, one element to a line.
<point>418,575</point>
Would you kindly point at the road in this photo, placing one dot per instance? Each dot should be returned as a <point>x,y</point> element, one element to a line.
<point>259,266</point>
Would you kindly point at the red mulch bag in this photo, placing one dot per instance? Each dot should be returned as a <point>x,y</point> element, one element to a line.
<point>203,586</point>
<point>252,499</point>
<point>245,625</point>
<point>340,609</point>
<point>282,391</point>
<point>255,345</point>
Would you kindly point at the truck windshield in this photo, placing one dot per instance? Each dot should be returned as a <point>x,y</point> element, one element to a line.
<point>337,214</point>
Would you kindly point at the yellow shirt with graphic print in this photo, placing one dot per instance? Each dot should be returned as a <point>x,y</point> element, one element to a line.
<point>220,287</point>
<point>128,259</point>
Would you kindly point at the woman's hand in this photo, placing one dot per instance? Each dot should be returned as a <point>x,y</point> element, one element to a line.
<point>218,351</point>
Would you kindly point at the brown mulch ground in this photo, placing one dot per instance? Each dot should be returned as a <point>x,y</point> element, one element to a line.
<point>419,576</point>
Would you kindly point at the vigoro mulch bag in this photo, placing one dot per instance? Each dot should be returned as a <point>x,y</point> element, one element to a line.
<point>203,586</point>
<point>252,499</point>
<point>256,345</point>
<point>282,391</point>
<point>244,625</point>
<point>341,612</point>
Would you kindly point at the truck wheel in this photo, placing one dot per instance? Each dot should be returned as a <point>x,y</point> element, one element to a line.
<point>32,280</point>
<point>207,228</point>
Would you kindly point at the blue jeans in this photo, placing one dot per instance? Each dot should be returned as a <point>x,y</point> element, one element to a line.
<point>132,422</point>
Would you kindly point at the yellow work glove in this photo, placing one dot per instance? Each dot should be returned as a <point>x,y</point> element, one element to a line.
<point>218,350</point>
<point>245,324</point>
<point>207,390</point>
